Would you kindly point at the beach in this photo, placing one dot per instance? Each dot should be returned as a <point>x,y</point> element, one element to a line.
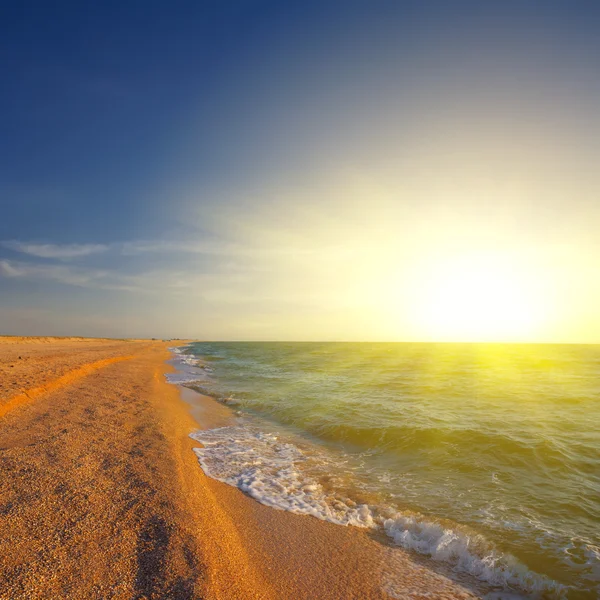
<point>102,495</point>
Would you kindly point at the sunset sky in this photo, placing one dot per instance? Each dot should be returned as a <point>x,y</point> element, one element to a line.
<point>301,170</point>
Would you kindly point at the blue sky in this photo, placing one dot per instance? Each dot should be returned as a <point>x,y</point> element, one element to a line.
<point>256,170</point>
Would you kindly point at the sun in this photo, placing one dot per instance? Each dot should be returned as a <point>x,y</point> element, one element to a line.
<point>478,298</point>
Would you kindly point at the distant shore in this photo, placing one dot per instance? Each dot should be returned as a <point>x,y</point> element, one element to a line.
<point>102,496</point>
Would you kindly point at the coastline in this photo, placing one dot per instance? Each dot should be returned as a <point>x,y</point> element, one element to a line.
<point>307,558</point>
<point>103,496</point>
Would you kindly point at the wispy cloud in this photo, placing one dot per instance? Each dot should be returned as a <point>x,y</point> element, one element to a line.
<point>8,270</point>
<point>270,268</point>
<point>137,247</point>
<point>66,274</point>
<point>58,251</point>
<point>155,281</point>
<point>142,247</point>
<point>127,248</point>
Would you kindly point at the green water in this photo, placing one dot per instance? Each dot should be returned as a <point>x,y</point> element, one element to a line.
<point>499,442</point>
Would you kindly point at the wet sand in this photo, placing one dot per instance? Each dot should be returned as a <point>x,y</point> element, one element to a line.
<point>101,495</point>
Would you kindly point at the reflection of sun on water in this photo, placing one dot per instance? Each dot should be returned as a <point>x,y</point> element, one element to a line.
<point>478,298</point>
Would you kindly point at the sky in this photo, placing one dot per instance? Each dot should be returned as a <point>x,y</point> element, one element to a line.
<point>395,171</point>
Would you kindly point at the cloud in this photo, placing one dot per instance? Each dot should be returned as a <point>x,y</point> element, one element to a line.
<point>8,270</point>
<point>128,248</point>
<point>268,266</point>
<point>209,247</point>
<point>76,276</point>
<point>138,247</point>
<point>161,266</point>
<point>58,251</point>
<point>155,281</point>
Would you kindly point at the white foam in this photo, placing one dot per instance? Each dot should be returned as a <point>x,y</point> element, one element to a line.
<point>189,368</point>
<point>182,378</point>
<point>271,471</point>
<point>266,469</point>
<point>467,553</point>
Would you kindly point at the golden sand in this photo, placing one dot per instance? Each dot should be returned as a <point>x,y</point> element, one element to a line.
<point>55,384</point>
<point>101,495</point>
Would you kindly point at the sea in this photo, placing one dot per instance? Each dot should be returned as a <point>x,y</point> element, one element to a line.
<point>484,458</point>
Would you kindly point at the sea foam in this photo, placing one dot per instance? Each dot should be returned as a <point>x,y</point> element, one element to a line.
<point>277,473</point>
<point>189,368</point>
<point>267,469</point>
<point>270,470</point>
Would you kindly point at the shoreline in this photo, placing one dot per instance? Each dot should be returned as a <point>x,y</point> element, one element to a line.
<point>100,494</point>
<point>354,562</point>
<point>103,496</point>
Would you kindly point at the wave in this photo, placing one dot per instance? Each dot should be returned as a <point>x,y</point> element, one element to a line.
<point>478,443</point>
<point>190,369</point>
<point>270,470</point>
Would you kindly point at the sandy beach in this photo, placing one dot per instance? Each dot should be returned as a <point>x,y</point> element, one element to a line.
<point>102,497</point>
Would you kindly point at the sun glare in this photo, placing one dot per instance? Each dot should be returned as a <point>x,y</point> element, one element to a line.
<point>478,298</point>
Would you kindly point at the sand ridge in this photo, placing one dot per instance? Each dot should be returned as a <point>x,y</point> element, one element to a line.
<point>69,377</point>
<point>95,497</point>
<point>26,363</point>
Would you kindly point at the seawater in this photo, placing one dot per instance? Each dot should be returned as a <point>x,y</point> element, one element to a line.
<point>483,457</point>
